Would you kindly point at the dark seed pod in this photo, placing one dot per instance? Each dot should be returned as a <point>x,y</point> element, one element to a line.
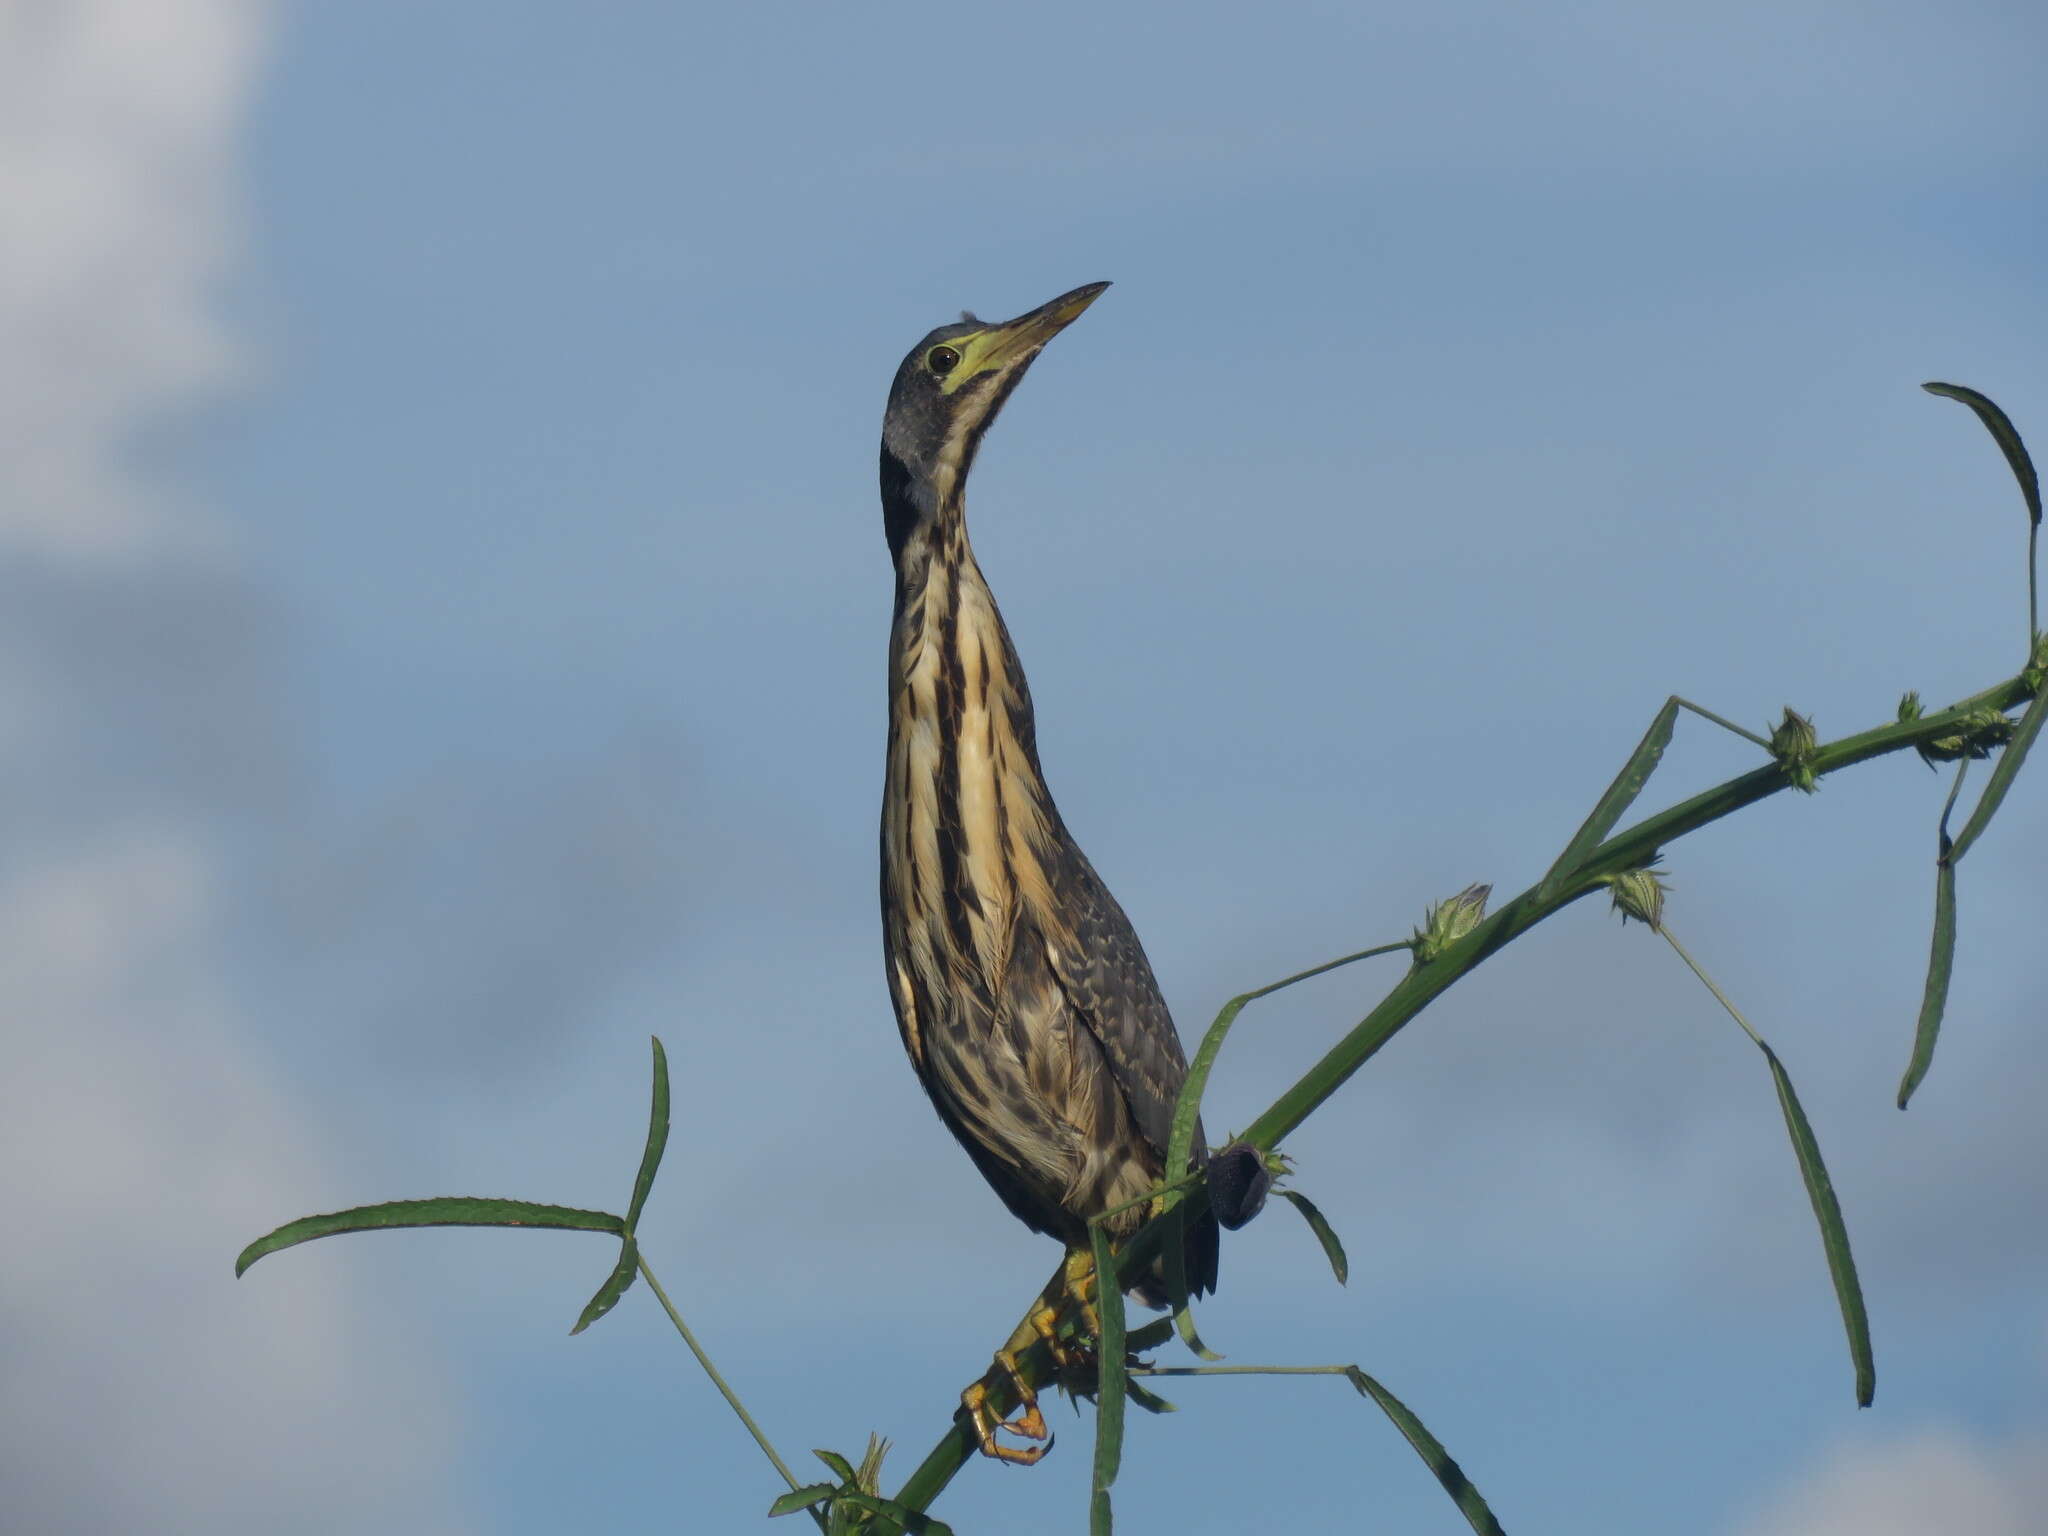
<point>1238,1181</point>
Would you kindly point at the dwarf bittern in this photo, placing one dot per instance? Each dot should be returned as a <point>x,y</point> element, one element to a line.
<point>1025,1000</point>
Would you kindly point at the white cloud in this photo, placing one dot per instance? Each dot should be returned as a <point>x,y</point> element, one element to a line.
<point>116,219</point>
<point>1932,1481</point>
<point>143,1135</point>
<point>142,1142</point>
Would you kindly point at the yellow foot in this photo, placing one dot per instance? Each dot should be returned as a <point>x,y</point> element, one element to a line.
<point>1028,1425</point>
<point>1078,1275</point>
<point>1069,1299</point>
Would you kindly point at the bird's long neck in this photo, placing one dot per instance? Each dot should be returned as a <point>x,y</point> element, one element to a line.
<point>967,821</point>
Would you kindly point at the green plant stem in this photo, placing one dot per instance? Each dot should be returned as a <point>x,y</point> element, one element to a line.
<point>1623,851</point>
<point>1317,970</point>
<point>1725,724</point>
<point>1239,1370</point>
<point>731,1398</point>
<point>1707,981</point>
<point>1149,1196</point>
<point>1626,850</point>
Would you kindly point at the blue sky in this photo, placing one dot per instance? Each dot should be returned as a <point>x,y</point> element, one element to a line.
<point>446,618</point>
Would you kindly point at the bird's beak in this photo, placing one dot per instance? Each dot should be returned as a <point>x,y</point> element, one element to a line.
<point>1015,342</point>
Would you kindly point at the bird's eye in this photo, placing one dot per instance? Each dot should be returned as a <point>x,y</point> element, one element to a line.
<point>942,360</point>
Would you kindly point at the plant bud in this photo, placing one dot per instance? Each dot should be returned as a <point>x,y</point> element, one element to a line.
<point>1446,922</point>
<point>1638,894</point>
<point>1793,744</point>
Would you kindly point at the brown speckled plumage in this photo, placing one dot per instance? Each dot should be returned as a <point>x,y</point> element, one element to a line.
<point>1025,1000</point>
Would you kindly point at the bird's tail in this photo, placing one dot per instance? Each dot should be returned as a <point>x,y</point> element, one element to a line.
<point>1199,1253</point>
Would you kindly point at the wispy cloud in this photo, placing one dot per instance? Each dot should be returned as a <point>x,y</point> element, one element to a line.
<point>1909,1485</point>
<point>143,1136</point>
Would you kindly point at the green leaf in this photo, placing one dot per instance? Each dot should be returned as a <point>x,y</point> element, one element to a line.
<point>1940,962</point>
<point>1827,1210</point>
<point>657,1137</point>
<point>1834,1232</point>
<point>1333,1247</point>
<point>801,1498</point>
<point>1187,1109</point>
<point>2002,773</point>
<point>840,1466</point>
<point>1145,1398</point>
<point>1109,1392</point>
<point>1151,1336</point>
<point>616,1284</point>
<point>1432,1452</point>
<point>1942,958</point>
<point>442,1211</point>
<point>1613,805</point>
<point>911,1520</point>
<point>2007,436</point>
<point>621,1278</point>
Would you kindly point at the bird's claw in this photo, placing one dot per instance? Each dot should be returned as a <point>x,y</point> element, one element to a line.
<point>1029,1424</point>
<point>1071,1297</point>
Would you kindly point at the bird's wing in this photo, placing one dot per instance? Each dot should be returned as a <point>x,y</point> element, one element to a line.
<point>1108,982</point>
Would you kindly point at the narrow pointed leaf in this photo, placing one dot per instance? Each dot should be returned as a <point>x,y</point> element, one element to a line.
<point>616,1284</point>
<point>1333,1247</point>
<point>1940,962</point>
<point>657,1137</point>
<point>441,1211</point>
<point>913,1521</point>
<point>841,1468</point>
<point>1187,1109</point>
<point>1146,1398</point>
<point>2007,436</point>
<point>1613,805</point>
<point>801,1498</point>
<point>1834,1232</point>
<point>1827,1210</point>
<point>2002,773</point>
<point>1151,1336</point>
<point>1109,1393</point>
<point>1432,1452</point>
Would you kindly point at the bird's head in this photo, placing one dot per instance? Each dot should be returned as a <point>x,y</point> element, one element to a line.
<point>946,394</point>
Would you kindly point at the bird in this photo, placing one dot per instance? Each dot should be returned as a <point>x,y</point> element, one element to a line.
<point>1025,1001</point>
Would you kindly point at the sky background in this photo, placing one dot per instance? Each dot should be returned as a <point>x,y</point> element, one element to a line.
<point>442,620</point>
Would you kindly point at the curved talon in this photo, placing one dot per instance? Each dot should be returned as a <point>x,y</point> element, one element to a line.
<point>1029,1423</point>
<point>1072,1294</point>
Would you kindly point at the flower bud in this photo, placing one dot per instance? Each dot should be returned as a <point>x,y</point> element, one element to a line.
<point>1793,744</point>
<point>1446,922</point>
<point>1638,894</point>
